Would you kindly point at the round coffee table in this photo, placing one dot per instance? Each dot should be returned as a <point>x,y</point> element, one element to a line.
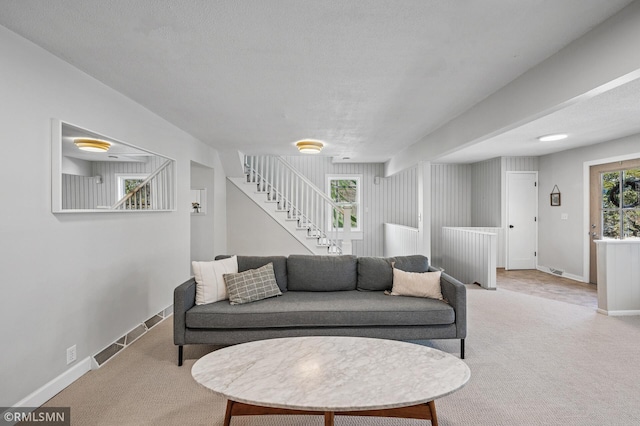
<point>331,376</point>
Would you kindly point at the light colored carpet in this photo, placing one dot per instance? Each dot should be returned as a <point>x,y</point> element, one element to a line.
<point>533,361</point>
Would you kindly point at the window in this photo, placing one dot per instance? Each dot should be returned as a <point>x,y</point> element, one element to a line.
<point>620,212</point>
<point>128,183</point>
<point>345,189</point>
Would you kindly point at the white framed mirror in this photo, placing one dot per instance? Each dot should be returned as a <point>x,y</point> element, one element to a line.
<point>91,172</point>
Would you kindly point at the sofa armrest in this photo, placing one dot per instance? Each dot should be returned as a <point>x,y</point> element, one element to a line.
<point>455,293</point>
<point>184,297</point>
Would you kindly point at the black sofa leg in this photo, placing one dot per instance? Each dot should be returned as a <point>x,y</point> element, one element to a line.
<point>461,349</point>
<point>180,348</point>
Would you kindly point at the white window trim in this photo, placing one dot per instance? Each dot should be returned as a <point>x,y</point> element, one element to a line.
<point>357,231</point>
<point>121,177</point>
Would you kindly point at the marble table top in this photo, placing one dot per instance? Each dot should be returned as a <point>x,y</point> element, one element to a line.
<point>331,373</point>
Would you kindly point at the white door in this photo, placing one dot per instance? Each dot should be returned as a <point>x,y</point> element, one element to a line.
<point>522,212</point>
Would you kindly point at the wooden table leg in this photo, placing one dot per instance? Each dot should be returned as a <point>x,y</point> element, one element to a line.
<point>434,417</point>
<point>227,414</point>
<point>329,417</point>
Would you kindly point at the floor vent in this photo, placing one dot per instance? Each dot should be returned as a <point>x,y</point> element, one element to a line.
<point>556,271</point>
<point>107,353</point>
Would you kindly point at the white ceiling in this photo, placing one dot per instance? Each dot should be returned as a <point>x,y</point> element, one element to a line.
<point>369,78</point>
<point>610,115</point>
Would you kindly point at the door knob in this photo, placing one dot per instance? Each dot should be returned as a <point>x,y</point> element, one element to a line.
<point>510,226</point>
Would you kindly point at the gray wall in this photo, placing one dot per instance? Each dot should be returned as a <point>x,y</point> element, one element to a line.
<point>561,242</point>
<point>253,232</point>
<point>79,278</point>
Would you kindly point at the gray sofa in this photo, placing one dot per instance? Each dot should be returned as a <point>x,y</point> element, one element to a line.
<point>324,295</point>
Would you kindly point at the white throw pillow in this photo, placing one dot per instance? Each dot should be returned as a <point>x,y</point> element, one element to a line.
<point>210,286</point>
<point>417,284</point>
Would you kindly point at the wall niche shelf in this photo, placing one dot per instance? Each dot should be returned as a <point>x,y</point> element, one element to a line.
<point>198,202</point>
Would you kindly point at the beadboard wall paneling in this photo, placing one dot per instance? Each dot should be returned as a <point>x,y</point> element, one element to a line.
<point>451,192</point>
<point>401,198</point>
<point>520,164</point>
<point>485,197</point>
<point>393,199</point>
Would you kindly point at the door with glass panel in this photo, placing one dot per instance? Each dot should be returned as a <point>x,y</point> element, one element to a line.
<point>615,205</point>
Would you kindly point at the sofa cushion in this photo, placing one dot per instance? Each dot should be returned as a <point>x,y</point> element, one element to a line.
<point>412,263</point>
<point>376,273</point>
<point>252,285</point>
<point>321,273</point>
<point>253,262</point>
<point>322,309</point>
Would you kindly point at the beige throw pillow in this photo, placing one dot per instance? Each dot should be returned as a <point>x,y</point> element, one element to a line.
<point>210,286</point>
<point>417,284</point>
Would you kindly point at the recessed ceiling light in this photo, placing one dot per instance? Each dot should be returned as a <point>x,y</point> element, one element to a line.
<point>553,137</point>
<point>309,146</point>
<point>92,145</point>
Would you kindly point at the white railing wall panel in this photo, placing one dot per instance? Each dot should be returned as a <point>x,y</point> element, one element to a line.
<point>501,254</point>
<point>470,256</point>
<point>400,240</point>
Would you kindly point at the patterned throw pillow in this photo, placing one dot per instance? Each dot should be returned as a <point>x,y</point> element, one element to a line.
<point>252,285</point>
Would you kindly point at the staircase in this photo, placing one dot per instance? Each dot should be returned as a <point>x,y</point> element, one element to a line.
<point>300,207</point>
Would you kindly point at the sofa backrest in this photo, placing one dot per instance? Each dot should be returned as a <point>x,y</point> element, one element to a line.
<point>322,273</point>
<point>333,273</point>
<point>253,262</point>
<point>376,273</point>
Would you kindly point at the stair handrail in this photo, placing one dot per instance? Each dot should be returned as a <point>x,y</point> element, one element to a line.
<point>141,185</point>
<point>254,166</point>
<point>310,184</point>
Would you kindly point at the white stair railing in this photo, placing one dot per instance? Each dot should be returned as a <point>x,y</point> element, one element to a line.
<point>152,193</point>
<point>303,202</point>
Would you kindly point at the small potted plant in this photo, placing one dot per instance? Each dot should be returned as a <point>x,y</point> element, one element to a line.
<point>196,207</point>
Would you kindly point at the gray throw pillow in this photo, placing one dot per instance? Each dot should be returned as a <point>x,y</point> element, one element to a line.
<point>252,285</point>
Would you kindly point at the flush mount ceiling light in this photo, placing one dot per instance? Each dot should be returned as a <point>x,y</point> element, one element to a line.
<point>553,137</point>
<point>309,146</point>
<point>92,145</point>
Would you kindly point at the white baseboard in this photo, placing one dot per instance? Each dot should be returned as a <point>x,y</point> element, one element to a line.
<point>51,389</point>
<point>618,313</point>
<point>564,274</point>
